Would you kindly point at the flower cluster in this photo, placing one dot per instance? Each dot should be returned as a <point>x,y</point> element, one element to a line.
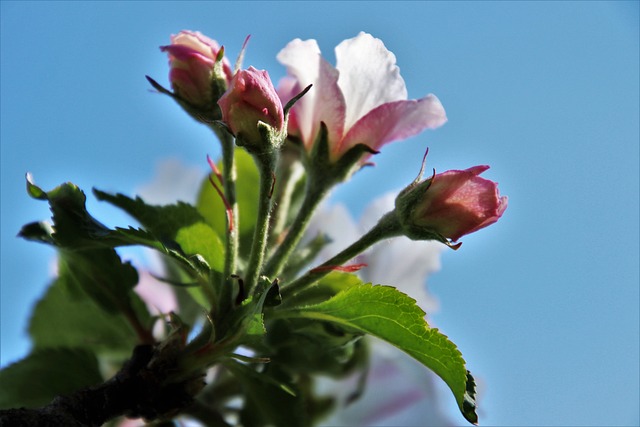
<point>239,263</point>
<point>321,125</point>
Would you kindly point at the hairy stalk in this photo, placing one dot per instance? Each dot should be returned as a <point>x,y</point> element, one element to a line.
<point>313,196</point>
<point>266,163</point>
<point>229,185</point>
<point>388,226</point>
<point>290,173</point>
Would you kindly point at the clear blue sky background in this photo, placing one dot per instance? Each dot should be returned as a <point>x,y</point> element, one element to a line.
<point>544,304</point>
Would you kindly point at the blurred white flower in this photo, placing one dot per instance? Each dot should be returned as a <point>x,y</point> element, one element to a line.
<point>173,181</point>
<point>158,296</point>
<point>400,391</point>
<point>399,262</point>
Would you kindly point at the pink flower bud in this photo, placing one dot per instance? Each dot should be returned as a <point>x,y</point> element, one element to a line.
<point>250,99</point>
<point>450,205</point>
<point>192,58</point>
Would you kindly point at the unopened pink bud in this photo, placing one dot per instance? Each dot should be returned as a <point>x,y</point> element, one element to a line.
<point>192,58</point>
<point>250,99</point>
<point>450,205</point>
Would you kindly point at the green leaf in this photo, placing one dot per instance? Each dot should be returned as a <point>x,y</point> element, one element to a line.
<point>325,288</point>
<point>63,319</point>
<point>180,223</point>
<point>35,380</point>
<point>33,190</point>
<point>272,397</point>
<point>245,324</point>
<point>102,275</point>
<point>387,313</point>
<point>212,208</point>
<point>163,221</point>
<point>87,262</point>
<point>199,238</point>
<point>73,227</point>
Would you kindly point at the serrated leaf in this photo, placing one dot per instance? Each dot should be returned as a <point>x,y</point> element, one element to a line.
<point>38,231</point>
<point>180,223</point>
<point>35,380</point>
<point>88,264</point>
<point>74,228</point>
<point>387,313</point>
<point>63,319</point>
<point>325,288</point>
<point>212,208</point>
<point>163,221</point>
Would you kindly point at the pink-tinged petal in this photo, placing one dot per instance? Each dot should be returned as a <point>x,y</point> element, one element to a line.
<point>302,60</point>
<point>458,185</point>
<point>324,102</point>
<point>251,98</point>
<point>451,204</point>
<point>287,89</point>
<point>185,53</point>
<point>196,41</point>
<point>203,45</point>
<point>369,76</point>
<point>393,121</point>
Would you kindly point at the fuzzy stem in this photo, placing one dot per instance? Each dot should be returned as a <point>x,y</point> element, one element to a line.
<point>266,163</point>
<point>313,196</point>
<point>229,185</point>
<point>388,226</point>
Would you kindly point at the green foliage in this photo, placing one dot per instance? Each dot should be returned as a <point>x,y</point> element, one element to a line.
<point>211,206</point>
<point>387,313</point>
<point>272,397</point>
<point>65,319</point>
<point>45,374</point>
<point>86,261</point>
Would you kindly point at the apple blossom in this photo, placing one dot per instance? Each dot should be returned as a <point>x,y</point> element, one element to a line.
<point>450,205</point>
<point>251,99</point>
<point>193,75</point>
<point>363,100</point>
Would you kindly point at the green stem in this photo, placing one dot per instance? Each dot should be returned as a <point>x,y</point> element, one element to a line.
<point>232,241</point>
<point>288,178</point>
<point>266,163</point>
<point>388,226</point>
<point>313,196</point>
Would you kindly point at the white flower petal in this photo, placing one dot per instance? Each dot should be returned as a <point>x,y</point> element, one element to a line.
<point>369,76</point>
<point>338,224</point>
<point>324,102</point>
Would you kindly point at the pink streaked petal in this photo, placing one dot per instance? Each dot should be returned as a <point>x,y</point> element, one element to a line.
<point>502,206</point>
<point>395,120</point>
<point>459,185</point>
<point>197,41</point>
<point>186,53</point>
<point>342,268</point>
<point>324,102</point>
<point>369,76</point>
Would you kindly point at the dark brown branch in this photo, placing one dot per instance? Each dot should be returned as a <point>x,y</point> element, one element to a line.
<point>141,389</point>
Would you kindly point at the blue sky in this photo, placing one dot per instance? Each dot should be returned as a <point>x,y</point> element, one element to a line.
<point>544,304</point>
